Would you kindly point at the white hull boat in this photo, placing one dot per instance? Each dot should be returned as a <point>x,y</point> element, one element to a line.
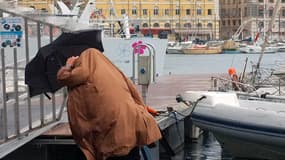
<point>177,47</point>
<point>246,128</point>
<point>254,49</point>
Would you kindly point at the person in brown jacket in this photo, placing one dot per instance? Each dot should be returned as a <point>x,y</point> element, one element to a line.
<point>107,116</point>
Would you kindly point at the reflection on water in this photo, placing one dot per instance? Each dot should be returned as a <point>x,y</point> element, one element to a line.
<point>206,148</point>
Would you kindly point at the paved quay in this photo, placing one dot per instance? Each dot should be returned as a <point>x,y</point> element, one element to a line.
<point>160,94</point>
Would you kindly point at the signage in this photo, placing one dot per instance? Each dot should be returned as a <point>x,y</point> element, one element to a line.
<point>11,32</point>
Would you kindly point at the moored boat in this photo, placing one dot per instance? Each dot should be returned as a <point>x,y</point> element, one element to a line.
<point>258,125</point>
<point>176,47</point>
<point>202,49</point>
<point>253,49</point>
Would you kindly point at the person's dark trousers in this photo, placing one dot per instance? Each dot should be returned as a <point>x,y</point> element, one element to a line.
<point>133,155</point>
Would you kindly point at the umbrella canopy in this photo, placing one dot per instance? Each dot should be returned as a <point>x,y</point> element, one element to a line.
<point>40,72</point>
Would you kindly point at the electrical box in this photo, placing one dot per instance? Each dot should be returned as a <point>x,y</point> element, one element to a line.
<point>144,72</point>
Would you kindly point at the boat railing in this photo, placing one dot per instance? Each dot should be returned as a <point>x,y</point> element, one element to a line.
<point>23,118</point>
<point>223,84</point>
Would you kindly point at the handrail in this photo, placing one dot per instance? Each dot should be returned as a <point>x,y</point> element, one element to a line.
<point>22,119</point>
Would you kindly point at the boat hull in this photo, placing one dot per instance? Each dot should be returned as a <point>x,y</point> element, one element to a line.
<point>257,49</point>
<point>245,143</point>
<point>246,128</point>
<point>214,50</point>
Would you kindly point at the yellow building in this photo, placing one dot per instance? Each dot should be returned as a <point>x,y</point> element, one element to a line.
<point>44,5</point>
<point>186,18</point>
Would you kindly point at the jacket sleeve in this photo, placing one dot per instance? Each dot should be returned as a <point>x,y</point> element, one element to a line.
<point>81,71</point>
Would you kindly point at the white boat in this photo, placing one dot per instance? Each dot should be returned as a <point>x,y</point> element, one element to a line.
<point>246,128</point>
<point>254,49</point>
<point>176,47</point>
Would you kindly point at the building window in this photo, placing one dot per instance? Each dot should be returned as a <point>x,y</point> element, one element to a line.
<point>188,12</point>
<point>123,11</point>
<point>260,12</point>
<point>145,25</point>
<point>270,11</point>
<point>155,25</point>
<point>210,25</point>
<point>145,12</point>
<point>134,11</point>
<point>223,23</point>
<point>177,25</point>
<point>234,22</point>
<point>283,12</point>
<point>166,12</point>
<point>167,25</point>
<point>155,11</point>
<point>111,12</point>
<point>209,12</point>
<point>177,11</point>
<point>187,25</point>
<point>199,25</point>
<point>282,25</point>
<point>199,11</point>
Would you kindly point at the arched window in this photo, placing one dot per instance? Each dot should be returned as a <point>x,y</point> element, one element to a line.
<point>145,25</point>
<point>167,25</point>
<point>210,25</point>
<point>187,25</point>
<point>155,25</point>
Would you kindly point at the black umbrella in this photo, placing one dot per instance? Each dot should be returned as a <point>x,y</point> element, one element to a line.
<point>40,72</point>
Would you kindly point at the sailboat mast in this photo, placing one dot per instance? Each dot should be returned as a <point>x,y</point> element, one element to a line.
<point>264,20</point>
<point>270,26</point>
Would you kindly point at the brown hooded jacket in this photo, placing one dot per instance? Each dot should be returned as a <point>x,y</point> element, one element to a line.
<point>106,113</point>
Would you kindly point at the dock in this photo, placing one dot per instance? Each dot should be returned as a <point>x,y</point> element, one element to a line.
<point>161,94</point>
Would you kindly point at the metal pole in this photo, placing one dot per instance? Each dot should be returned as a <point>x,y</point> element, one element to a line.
<point>51,28</point>
<point>41,96</point>
<point>134,67</point>
<point>27,61</point>
<point>144,92</point>
<point>16,105</point>
<point>4,96</point>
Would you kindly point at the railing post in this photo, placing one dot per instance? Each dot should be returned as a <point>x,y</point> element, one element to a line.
<point>3,114</point>
<point>1,124</point>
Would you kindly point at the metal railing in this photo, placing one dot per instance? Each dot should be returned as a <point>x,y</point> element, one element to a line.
<point>223,84</point>
<point>23,118</point>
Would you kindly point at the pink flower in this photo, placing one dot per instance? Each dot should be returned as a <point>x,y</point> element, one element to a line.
<point>138,47</point>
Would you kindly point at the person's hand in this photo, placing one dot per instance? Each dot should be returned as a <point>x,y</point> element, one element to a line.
<point>70,61</point>
<point>152,111</point>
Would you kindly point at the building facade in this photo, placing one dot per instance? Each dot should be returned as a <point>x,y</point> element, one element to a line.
<point>44,5</point>
<point>253,16</point>
<point>186,18</point>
